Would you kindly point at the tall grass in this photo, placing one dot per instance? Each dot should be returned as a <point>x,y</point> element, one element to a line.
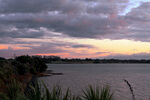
<point>56,93</point>
<point>15,91</point>
<point>3,96</point>
<point>96,93</point>
<point>40,91</point>
<point>43,93</point>
<point>35,92</point>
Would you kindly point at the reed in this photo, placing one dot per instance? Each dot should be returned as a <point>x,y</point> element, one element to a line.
<point>131,88</point>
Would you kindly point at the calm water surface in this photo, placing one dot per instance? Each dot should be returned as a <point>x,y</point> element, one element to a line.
<point>79,76</point>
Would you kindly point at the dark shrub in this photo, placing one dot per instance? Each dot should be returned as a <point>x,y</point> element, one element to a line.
<point>6,71</point>
<point>35,63</point>
<point>21,68</point>
<point>2,63</point>
<point>24,59</point>
<point>28,61</point>
<point>33,70</point>
<point>96,61</point>
<point>1,58</point>
<point>39,64</point>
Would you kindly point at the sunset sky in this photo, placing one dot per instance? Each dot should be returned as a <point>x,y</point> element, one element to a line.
<point>75,28</point>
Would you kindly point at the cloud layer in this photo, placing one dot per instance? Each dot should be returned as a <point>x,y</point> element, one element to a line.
<point>97,19</point>
<point>77,18</point>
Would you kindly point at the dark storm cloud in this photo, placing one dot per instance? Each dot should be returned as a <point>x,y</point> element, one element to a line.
<point>35,6</point>
<point>64,6</point>
<point>77,18</point>
<point>141,13</point>
<point>139,22</point>
<point>13,32</point>
<point>84,25</point>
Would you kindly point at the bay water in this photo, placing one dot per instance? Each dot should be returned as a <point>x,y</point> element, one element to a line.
<point>79,76</point>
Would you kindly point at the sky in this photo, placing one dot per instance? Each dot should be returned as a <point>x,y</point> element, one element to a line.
<point>75,28</point>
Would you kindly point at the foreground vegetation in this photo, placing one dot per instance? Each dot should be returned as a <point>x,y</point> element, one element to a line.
<point>15,75</point>
<point>39,91</point>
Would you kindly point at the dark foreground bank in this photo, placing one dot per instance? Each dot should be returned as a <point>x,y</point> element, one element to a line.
<point>16,74</point>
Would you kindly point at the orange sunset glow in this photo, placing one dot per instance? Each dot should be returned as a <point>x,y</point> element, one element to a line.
<point>98,48</point>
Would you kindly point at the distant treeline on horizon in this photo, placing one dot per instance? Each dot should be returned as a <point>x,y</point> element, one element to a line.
<point>59,60</point>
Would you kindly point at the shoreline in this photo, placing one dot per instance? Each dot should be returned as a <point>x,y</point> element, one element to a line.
<point>48,73</point>
<point>97,63</point>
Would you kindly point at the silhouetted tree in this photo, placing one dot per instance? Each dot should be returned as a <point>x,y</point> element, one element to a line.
<point>1,58</point>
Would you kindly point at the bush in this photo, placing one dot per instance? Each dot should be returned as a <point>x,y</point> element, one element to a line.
<point>39,64</point>
<point>33,70</point>
<point>1,59</point>
<point>21,69</point>
<point>6,71</point>
<point>24,59</point>
<point>35,64</point>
